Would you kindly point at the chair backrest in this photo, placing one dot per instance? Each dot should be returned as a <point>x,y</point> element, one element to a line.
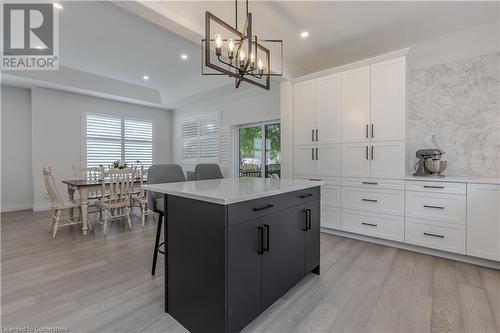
<point>51,187</point>
<point>141,175</point>
<point>88,173</point>
<point>164,173</point>
<point>120,186</point>
<point>207,171</point>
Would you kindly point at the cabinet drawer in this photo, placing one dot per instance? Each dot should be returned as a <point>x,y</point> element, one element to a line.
<point>436,187</point>
<point>247,210</point>
<point>330,196</point>
<point>330,217</point>
<point>374,200</point>
<point>391,184</point>
<point>449,208</point>
<point>375,225</point>
<point>441,236</point>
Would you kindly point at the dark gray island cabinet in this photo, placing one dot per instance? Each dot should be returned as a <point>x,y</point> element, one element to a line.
<point>235,246</point>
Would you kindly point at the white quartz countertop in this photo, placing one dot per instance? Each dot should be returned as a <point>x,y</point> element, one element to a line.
<point>231,190</point>
<point>470,180</point>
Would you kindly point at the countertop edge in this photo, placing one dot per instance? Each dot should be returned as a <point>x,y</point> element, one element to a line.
<point>465,180</point>
<point>154,188</point>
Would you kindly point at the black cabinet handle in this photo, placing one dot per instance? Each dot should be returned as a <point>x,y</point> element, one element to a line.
<point>262,208</point>
<point>312,154</point>
<point>370,224</point>
<point>372,131</point>
<point>312,135</point>
<point>317,155</point>
<point>366,152</point>
<point>433,235</point>
<point>317,135</point>
<point>370,200</point>
<point>306,217</point>
<point>367,131</point>
<point>260,247</point>
<point>307,195</point>
<point>373,154</point>
<point>369,183</point>
<point>266,248</point>
<point>314,179</point>
<point>308,221</point>
<point>435,207</point>
<point>430,186</point>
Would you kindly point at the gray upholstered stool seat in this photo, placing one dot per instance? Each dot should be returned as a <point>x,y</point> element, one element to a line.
<point>207,171</point>
<point>158,174</point>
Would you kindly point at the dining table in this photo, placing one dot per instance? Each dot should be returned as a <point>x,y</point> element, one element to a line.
<point>84,187</point>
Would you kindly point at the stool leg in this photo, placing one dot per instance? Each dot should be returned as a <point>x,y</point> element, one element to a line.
<point>157,243</point>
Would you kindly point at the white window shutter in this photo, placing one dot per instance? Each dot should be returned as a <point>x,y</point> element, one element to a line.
<point>225,150</point>
<point>103,136</point>
<point>138,142</point>
<point>200,138</point>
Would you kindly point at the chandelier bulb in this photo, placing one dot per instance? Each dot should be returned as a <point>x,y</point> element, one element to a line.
<point>241,58</point>
<point>261,67</point>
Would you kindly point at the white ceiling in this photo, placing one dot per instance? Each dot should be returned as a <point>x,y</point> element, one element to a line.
<point>340,32</point>
<point>124,44</point>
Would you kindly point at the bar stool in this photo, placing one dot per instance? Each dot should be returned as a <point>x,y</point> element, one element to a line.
<point>157,174</point>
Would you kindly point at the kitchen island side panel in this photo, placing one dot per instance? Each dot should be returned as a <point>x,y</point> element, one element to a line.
<point>195,273</point>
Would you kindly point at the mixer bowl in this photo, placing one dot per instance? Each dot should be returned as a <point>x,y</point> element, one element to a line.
<point>435,166</point>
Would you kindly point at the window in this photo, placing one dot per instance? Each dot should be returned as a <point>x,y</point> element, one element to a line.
<point>260,150</point>
<point>201,138</point>
<point>111,138</point>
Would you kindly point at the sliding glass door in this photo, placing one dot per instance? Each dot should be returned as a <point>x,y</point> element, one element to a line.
<point>260,150</point>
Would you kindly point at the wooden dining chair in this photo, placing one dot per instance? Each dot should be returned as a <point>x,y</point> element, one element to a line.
<point>115,196</point>
<point>141,197</point>
<point>92,174</point>
<point>57,204</point>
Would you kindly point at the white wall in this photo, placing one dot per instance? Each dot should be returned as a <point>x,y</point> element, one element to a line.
<point>247,106</point>
<point>17,189</point>
<point>44,127</point>
<point>463,44</point>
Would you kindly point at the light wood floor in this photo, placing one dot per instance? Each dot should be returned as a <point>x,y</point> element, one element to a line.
<point>96,284</point>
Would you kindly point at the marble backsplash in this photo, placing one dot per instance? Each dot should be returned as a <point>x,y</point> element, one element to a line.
<point>456,108</point>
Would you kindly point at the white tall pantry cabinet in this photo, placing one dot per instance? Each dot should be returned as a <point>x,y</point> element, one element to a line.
<point>349,131</point>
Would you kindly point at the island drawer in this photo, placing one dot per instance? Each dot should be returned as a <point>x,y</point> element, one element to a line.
<point>247,210</point>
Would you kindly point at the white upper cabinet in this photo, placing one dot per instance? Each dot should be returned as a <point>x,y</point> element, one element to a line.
<point>483,221</point>
<point>387,159</point>
<point>304,94</point>
<point>328,109</point>
<point>388,90</point>
<point>356,105</point>
<point>356,160</point>
<point>304,161</point>
<point>328,160</point>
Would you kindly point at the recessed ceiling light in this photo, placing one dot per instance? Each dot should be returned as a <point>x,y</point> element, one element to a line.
<point>39,47</point>
<point>304,34</point>
<point>145,77</point>
<point>57,5</point>
<point>184,56</point>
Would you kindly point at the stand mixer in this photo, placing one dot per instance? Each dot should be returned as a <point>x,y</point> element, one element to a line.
<point>429,163</point>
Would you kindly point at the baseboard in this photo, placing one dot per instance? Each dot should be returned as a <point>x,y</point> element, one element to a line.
<point>15,207</point>
<point>41,207</point>
<point>415,248</point>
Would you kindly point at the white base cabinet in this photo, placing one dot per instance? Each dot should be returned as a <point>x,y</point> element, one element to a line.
<point>374,225</point>
<point>483,221</point>
<point>441,236</point>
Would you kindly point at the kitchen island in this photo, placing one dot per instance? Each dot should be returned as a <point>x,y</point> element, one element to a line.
<point>236,245</point>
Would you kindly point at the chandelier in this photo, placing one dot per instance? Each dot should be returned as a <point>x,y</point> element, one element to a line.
<point>238,54</point>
